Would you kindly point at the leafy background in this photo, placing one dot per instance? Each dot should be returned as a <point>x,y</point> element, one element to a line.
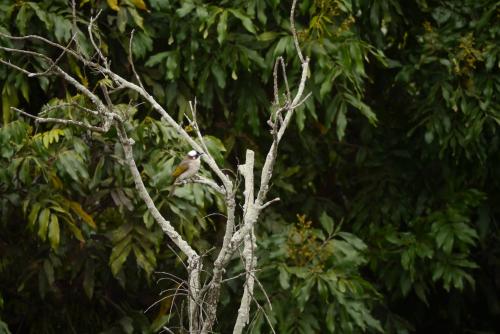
<point>388,177</point>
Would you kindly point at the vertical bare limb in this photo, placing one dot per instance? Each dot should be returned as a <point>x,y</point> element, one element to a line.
<point>246,300</point>
<point>294,32</point>
<point>131,60</point>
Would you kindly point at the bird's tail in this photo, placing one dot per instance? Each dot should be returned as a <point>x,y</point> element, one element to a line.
<point>172,189</point>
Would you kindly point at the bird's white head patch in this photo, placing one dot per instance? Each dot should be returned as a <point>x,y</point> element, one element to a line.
<point>193,153</point>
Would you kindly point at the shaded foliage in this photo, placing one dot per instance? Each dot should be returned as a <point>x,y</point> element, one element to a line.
<point>398,142</point>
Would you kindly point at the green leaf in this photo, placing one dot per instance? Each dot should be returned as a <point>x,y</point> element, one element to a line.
<point>284,278</point>
<point>41,14</point>
<point>142,44</point>
<point>330,318</point>
<point>327,222</point>
<point>71,163</point>
<point>245,20</point>
<point>62,28</point>
<point>77,233</point>
<point>77,209</point>
<point>142,261</point>
<point>48,269</point>
<point>43,222</point>
<point>186,8</point>
<point>215,148</point>
<point>300,117</point>
<point>267,36</point>
<point>157,58</point>
<point>54,232</point>
<point>113,4</point>
<point>341,120</point>
<point>120,233</point>
<point>33,216</point>
<point>219,74</point>
<point>122,19</point>
<point>119,255</point>
<point>222,27</point>
<point>361,106</point>
<point>139,21</point>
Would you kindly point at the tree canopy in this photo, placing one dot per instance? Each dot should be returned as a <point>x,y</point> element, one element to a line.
<point>388,179</point>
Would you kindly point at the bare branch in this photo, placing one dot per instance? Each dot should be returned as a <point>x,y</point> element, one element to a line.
<point>294,32</point>
<point>28,52</point>
<point>131,60</point>
<point>206,157</point>
<point>250,263</point>
<point>143,193</point>
<point>49,42</point>
<point>195,125</point>
<point>63,52</point>
<point>91,36</point>
<point>280,62</point>
<point>275,81</point>
<point>61,121</point>
<point>9,64</point>
<point>265,205</point>
<point>65,105</point>
<point>265,315</point>
<point>205,181</point>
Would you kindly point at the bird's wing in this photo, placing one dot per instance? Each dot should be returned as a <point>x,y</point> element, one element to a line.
<point>181,168</point>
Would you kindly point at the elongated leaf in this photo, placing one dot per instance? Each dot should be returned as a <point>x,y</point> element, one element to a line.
<point>140,4</point>
<point>33,216</point>
<point>43,222</point>
<point>119,260</point>
<point>48,269</point>
<point>54,231</point>
<point>142,261</point>
<point>77,208</point>
<point>245,20</point>
<point>113,4</point>
<point>77,233</point>
<point>222,27</point>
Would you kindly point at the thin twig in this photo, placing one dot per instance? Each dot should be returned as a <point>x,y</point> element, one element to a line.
<point>91,36</point>
<point>202,180</point>
<point>265,205</point>
<point>54,63</point>
<point>294,32</point>
<point>196,125</point>
<point>60,121</point>
<point>65,105</point>
<point>131,60</point>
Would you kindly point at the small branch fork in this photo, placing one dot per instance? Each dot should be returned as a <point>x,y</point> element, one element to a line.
<point>202,299</point>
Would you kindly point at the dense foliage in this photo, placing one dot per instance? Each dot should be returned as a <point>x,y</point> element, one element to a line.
<point>389,178</point>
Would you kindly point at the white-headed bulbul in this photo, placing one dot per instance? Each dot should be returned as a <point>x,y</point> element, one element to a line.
<point>188,167</point>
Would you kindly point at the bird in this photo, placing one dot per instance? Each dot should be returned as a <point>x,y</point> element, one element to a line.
<point>188,167</point>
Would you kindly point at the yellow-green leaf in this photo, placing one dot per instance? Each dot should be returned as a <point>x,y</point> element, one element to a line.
<point>32,218</point>
<point>113,4</point>
<point>55,181</point>
<point>140,4</point>
<point>77,208</point>
<point>76,232</point>
<point>43,224</point>
<point>54,232</point>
